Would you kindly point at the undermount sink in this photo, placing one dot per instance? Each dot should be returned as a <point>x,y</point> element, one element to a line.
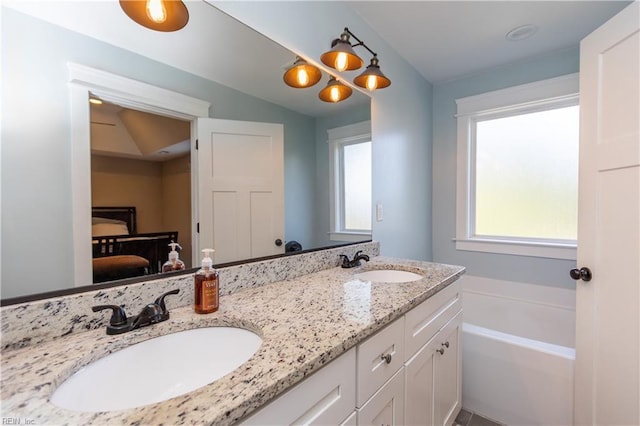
<point>157,369</point>
<point>388,276</point>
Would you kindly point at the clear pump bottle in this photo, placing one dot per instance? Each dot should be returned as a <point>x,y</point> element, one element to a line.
<point>206,290</point>
<point>173,264</point>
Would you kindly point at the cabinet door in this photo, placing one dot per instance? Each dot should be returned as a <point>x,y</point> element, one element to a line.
<point>447,383</point>
<point>419,385</point>
<point>386,407</point>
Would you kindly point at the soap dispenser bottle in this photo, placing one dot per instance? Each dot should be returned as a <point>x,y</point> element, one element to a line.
<point>173,264</point>
<point>206,286</point>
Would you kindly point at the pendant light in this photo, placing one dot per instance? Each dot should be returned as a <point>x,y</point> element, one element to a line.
<point>158,15</point>
<point>342,57</point>
<point>372,78</point>
<point>335,91</point>
<point>302,74</point>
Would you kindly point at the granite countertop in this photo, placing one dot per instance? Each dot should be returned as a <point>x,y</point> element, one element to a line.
<point>304,322</point>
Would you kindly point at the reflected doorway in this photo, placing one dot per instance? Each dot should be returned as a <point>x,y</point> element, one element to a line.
<point>140,160</point>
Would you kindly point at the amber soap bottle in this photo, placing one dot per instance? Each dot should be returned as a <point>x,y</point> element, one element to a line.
<point>207,286</point>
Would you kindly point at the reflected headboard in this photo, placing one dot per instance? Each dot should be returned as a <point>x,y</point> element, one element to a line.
<point>125,214</point>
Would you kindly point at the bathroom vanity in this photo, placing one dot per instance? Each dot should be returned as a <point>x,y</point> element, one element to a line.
<point>335,349</point>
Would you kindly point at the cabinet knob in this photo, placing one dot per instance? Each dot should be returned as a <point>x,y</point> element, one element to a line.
<point>445,344</point>
<point>386,358</point>
<point>440,351</point>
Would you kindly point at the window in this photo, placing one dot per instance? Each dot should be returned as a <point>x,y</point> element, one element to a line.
<point>350,163</point>
<point>517,190</point>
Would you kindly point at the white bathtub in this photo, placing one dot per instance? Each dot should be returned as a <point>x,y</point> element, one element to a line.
<point>509,378</point>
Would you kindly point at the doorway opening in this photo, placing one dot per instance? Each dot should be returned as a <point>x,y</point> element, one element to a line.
<point>140,167</point>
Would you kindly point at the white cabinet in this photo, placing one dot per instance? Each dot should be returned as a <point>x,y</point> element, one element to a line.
<point>447,377</point>
<point>379,358</point>
<point>419,386</point>
<point>433,379</point>
<point>433,386</point>
<point>407,373</point>
<point>380,377</point>
<point>327,397</point>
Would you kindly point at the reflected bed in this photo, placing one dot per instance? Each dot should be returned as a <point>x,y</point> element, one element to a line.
<point>119,251</point>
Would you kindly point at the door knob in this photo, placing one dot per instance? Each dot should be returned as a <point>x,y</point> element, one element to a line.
<point>278,242</point>
<point>583,274</point>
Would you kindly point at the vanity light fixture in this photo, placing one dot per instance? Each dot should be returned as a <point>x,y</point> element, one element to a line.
<point>95,101</point>
<point>335,91</point>
<point>159,15</point>
<point>342,57</point>
<point>372,78</point>
<point>302,74</point>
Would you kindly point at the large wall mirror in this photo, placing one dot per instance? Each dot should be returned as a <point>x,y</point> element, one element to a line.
<point>139,159</point>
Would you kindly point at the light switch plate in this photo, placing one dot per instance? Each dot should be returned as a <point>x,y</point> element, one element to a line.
<point>379,214</point>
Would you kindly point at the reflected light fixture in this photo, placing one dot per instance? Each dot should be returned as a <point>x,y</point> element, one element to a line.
<point>302,74</point>
<point>342,57</point>
<point>95,101</point>
<point>335,91</point>
<point>372,78</point>
<point>159,15</point>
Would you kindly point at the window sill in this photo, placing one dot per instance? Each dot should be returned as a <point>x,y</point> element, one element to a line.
<point>349,236</point>
<point>564,251</point>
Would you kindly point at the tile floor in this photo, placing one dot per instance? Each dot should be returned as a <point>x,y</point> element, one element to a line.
<point>467,418</point>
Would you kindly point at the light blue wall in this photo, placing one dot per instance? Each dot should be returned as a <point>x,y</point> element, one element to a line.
<point>400,114</point>
<point>505,267</point>
<point>36,150</point>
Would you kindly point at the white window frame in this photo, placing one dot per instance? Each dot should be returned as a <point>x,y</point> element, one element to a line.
<point>337,139</point>
<point>538,96</point>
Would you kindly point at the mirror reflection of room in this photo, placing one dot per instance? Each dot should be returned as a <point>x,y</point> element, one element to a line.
<point>65,48</point>
<point>140,190</point>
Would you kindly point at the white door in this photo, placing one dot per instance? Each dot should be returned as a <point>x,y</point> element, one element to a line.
<point>607,379</point>
<point>240,188</point>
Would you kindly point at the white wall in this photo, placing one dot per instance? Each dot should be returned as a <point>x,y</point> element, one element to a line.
<point>400,114</point>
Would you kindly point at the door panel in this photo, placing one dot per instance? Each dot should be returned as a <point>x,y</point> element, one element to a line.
<point>240,188</point>
<point>607,379</point>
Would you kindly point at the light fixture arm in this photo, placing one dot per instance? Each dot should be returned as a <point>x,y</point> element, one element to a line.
<point>359,43</point>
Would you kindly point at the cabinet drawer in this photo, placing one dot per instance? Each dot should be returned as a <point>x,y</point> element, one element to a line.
<point>326,397</point>
<point>424,321</point>
<point>373,370</point>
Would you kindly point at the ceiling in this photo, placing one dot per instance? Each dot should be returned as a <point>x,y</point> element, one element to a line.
<point>212,45</point>
<point>443,40</point>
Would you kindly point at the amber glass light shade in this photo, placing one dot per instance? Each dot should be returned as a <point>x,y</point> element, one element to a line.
<point>372,78</point>
<point>342,57</point>
<point>335,91</point>
<point>158,15</point>
<point>302,74</point>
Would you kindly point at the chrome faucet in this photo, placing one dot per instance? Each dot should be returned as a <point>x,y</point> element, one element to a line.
<point>153,313</point>
<point>346,263</point>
